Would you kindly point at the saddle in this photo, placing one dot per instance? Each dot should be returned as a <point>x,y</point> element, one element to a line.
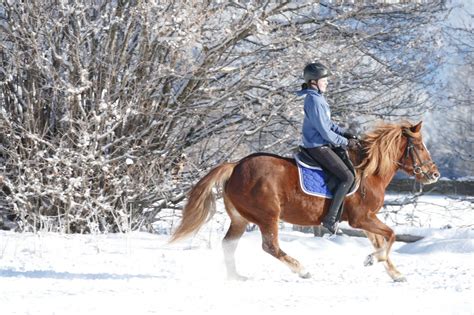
<point>315,179</point>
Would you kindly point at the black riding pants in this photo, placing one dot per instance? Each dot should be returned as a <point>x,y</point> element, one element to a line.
<point>333,163</point>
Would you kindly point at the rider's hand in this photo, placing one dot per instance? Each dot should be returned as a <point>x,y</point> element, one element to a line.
<point>353,144</point>
<point>349,135</point>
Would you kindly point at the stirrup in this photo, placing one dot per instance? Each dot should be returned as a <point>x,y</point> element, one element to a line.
<point>332,228</point>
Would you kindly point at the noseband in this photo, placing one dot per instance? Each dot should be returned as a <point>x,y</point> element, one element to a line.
<point>415,157</point>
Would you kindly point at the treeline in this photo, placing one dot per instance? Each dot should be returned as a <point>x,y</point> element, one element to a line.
<point>442,187</point>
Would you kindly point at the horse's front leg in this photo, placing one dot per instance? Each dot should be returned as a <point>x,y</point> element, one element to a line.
<point>380,247</point>
<point>382,237</point>
<point>379,244</point>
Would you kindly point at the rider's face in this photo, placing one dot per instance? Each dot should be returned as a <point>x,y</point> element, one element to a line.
<point>323,84</point>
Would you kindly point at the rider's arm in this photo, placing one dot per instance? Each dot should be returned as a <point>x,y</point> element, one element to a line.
<point>319,118</point>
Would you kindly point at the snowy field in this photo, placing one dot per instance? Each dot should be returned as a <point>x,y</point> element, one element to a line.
<point>139,273</point>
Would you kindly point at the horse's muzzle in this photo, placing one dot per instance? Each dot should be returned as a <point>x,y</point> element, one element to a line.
<point>431,177</point>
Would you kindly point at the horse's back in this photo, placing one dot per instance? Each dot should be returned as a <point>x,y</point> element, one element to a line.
<point>267,158</point>
<point>267,167</point>
<point>259,175</point>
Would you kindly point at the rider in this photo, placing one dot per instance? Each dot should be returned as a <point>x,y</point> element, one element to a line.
<point>321,135</point>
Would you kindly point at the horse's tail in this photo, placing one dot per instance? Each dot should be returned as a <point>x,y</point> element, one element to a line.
<point>201,205</point>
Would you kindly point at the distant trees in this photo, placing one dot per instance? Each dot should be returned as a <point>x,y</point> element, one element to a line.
<point>456,96</point>
<point>109,111</point>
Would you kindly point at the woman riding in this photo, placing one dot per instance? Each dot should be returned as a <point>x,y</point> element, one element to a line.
<point>321,135</point>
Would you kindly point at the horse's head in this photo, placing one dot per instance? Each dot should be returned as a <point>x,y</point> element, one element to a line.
<point>416,159</point>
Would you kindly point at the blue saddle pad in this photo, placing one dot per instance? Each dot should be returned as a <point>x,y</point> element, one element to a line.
<point>313,180</point>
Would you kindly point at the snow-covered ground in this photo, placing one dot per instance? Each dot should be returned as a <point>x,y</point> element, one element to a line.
<point>139,273</point>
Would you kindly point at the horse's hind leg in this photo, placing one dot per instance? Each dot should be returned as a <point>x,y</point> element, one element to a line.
<point>231,239</point>
<point>271,246</point>
<point>380,248</point>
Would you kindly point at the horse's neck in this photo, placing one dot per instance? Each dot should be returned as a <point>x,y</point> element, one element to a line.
<point>380,183</point>
<point>383,182</point>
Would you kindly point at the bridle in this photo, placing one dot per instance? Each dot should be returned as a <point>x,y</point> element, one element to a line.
<point>418,163</point>
<point>412,152</point>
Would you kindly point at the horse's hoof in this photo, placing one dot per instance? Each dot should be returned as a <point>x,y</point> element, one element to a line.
<point>369,261</point>
<point>237,277</point>
<point>305,275</point>
<point>400,279</point>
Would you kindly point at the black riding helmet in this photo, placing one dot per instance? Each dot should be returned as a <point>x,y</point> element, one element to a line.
<point>315,71</point>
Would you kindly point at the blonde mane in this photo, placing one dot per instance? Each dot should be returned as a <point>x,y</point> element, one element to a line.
<point>382,149</point>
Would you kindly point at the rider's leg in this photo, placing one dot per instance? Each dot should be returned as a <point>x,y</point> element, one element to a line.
<point>331,162</point>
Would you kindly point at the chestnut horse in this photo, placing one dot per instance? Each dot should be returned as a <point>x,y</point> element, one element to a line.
<point>264,188</point>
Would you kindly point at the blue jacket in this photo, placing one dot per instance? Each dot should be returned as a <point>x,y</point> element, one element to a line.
<point>318,128</point>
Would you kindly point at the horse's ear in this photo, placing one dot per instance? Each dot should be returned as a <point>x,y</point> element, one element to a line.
<point>416,128</point>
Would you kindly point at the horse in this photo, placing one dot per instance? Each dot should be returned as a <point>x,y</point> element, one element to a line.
<point>264,188</point>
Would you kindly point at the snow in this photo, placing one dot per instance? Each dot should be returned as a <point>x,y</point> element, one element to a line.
<point>140,273</point>
<point>428,211</point>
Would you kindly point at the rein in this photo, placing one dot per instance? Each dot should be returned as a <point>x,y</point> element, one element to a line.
<point>360,156</point>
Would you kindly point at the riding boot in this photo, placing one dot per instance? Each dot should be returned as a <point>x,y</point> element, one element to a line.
<point>330,221</point>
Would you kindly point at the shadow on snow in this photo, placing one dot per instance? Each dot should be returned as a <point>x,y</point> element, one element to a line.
<point>50,274</point>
